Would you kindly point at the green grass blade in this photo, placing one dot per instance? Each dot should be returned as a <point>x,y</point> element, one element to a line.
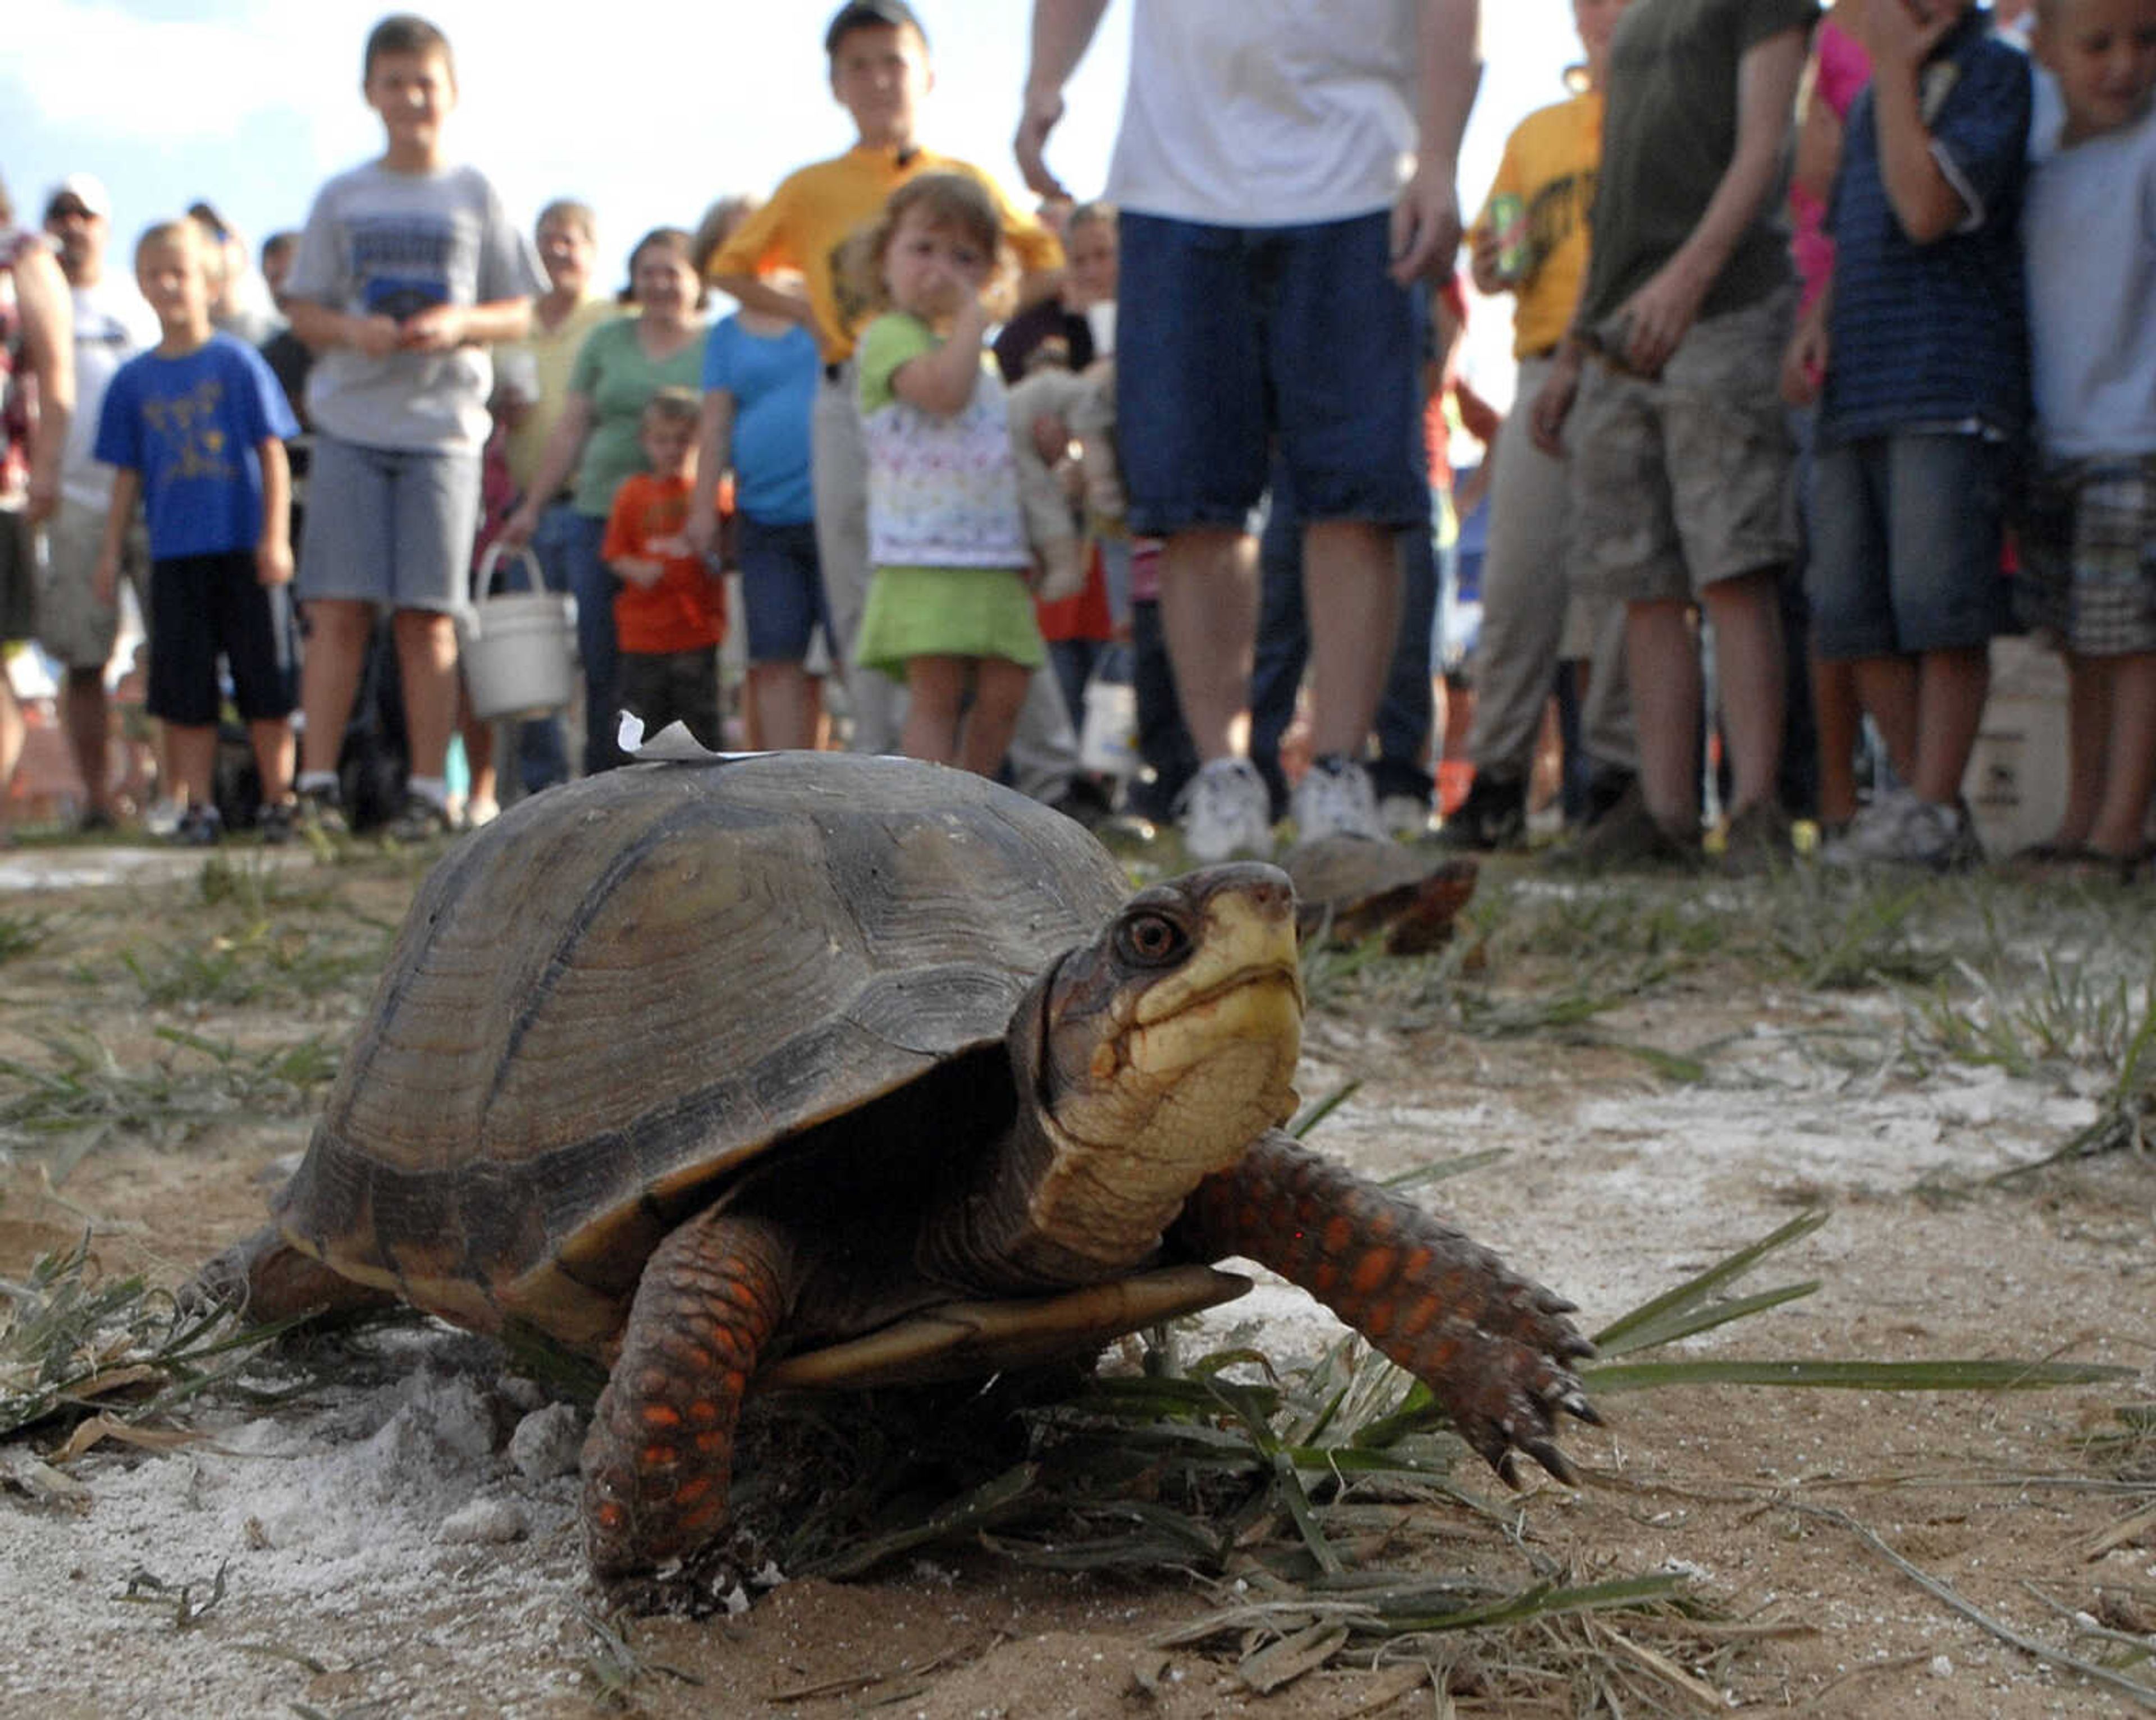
<point>1687,1322</point>
<point>1312,1115</point>
<point>1547,1600</point>
<point>1442,1169</point>
<point>1938,1376</point>
<point>1612,1339</point>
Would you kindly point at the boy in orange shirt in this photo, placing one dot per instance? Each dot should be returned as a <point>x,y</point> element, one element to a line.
<point>671,612</point>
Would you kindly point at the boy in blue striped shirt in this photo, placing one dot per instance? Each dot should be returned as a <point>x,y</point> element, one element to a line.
<point>1921,339</point>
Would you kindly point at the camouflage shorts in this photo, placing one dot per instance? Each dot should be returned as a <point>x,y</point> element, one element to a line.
<point>1683,480</point>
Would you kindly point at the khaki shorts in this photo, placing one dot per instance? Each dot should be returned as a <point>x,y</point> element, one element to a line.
<point>72,625</point>
<point>1684,481</point>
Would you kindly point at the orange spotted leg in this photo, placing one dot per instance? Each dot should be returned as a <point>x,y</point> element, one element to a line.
<point>660,1453</point>
<point>1492,1346</point>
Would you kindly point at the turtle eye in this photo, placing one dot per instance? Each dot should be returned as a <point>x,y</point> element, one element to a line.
<point>1150,940</point>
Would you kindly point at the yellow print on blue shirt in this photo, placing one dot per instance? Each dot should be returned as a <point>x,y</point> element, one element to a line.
<point>188,440</point>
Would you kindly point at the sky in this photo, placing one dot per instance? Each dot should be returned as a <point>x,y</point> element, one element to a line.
<point>650,111</point>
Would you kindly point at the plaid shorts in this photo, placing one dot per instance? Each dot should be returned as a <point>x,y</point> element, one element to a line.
<point>2088,554</point>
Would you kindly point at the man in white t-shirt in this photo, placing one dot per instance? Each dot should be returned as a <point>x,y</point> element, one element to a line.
<point>1285,173</point>
<point>111,325</point>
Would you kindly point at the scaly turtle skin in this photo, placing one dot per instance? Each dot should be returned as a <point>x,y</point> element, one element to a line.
<point>806,1069</point>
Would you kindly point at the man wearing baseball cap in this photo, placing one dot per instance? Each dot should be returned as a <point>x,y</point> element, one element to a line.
<point>111,326</point>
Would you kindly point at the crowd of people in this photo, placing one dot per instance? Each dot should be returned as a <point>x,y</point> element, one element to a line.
<point>1836,348</point>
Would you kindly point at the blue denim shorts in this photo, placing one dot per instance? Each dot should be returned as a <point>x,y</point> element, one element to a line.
<point>1905,532</point>
<point>1232,336</point>
<point>781,590</point>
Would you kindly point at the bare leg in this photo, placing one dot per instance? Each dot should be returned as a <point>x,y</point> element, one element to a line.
<point>86,716</point>
<point>1747,613</point>
<point>1351,594</point>
<point>275,748</point>
<point>338,629</point>
<point>999,689</point>
<point>660,1455</point>
<point>1492,1346</point>
<point>478,737</point>
<point>1208,609</point>
<point>1951,687</point>
<point>1887,687</point>
<point>2088,739</point>
<point>1838,718</point>
<point>12,736</point>
<point>1662,660</point>
<point>194,750</point>
<point>783,703</point>
<point>2130,758</point>
<point>426,658</point>
<point>934,688</point>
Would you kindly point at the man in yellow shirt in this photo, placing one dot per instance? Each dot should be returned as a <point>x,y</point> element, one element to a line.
<point>1546,180</point>
<point>880,74</point>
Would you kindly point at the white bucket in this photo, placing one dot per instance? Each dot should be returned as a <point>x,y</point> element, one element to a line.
<point>2016,784</point>
<point>519,651</point>
<point>1108,746</point>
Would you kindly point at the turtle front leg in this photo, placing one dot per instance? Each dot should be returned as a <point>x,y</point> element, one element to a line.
<point>1491,1345</point>
<point>659,1454</point>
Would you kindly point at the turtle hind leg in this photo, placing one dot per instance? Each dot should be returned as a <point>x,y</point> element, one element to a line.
<point>265,1279</point>
<point>660,1455</point>
<point>1493,1346</point>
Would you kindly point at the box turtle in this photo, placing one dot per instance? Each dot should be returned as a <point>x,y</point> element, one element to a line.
<point>806,1069</point>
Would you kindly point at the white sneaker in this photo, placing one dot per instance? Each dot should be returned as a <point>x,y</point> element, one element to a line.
<point>1226,811</point>
<point>1406,816</point>
<point>1899,830</point>
<point>1335,799</point>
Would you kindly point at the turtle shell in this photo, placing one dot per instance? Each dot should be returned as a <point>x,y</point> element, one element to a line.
<point>612,999</point>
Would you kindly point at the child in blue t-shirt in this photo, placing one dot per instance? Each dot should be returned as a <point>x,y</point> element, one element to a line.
<point>762,373</point>
<point>2089,544</point>
<point>1921,338</point>
<point>195,428</point>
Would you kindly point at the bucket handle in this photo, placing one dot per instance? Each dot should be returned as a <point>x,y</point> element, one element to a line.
<point>490,559</point>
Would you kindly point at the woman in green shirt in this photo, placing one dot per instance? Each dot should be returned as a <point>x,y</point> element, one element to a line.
<point>594,445</point>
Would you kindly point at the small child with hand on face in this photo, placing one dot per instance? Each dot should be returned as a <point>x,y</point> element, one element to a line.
<point>195,428</point>
<point>949,607</point>
<point>2089,543</point>
<point>1920,342</point>
<point>670,612</point>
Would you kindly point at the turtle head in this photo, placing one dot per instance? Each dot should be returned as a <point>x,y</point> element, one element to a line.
<point>1159,1052</point>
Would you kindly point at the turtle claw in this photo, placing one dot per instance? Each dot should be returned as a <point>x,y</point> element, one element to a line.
<point>1559,1465</point>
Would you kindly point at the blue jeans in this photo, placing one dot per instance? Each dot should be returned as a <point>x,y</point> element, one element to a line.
<point>1906,533</point>
<point>1406,713</point>
<point>781,590</point>
<point>590,581</point>
<point>542,747</point>
<point>1163,740</point>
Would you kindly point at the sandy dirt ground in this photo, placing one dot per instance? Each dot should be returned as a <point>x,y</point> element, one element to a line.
<point>402,1541</point>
